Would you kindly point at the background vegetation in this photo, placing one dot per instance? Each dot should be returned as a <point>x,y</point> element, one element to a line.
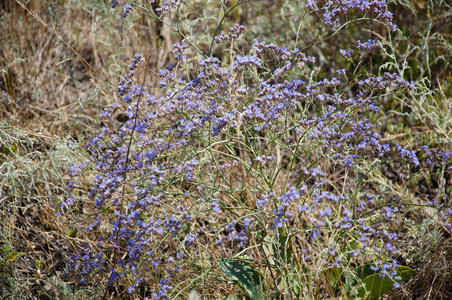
<point>60,64</point>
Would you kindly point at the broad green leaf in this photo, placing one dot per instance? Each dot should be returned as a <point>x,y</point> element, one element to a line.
<point>377,286</point>
<point>243,273</point>
<point>364,271</point>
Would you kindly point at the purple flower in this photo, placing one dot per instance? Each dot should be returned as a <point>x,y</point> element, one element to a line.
<point>191,238</point>
<point>325,213</point>
<point>127,8</point>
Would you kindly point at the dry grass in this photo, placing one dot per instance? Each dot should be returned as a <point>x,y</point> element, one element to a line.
<point>53,83</point>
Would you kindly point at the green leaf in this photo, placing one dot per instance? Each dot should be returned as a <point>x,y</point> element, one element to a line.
<point>377,286</point>
<point>8,150</point>
<point>72,233</point>
<point>243,273</point>
<point>364,271</point>
<point>13,148</point>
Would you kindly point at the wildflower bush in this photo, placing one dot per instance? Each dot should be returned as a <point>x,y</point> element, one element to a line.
<point>248,162</point>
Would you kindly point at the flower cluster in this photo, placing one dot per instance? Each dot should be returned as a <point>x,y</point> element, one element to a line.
<point>127,8</point>
<point>239,150</point>
<point>165,8</point>
<point>334,10</point>
<point>236,33</point>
